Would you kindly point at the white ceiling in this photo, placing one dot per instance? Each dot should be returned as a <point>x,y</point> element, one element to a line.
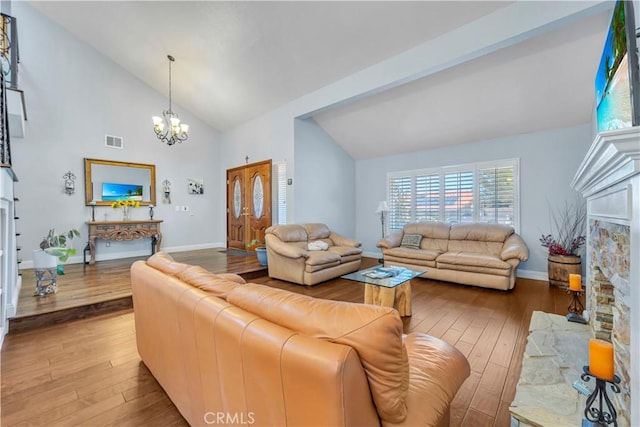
<point>238,60</point>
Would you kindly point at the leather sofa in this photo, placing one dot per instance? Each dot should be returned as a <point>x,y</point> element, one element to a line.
<point>226,352</point>
<point>478,254</point>
<point>290,258</point>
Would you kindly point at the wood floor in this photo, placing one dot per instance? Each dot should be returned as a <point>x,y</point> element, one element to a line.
<point>88,372</point>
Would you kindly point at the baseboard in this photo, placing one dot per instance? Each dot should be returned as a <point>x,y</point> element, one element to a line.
<point>375,255</point>
<point>533,275</point>
<point>78,259</point>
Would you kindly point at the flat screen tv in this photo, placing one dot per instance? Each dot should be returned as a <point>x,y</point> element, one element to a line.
<point>112,191</point>
<point>617,81</point>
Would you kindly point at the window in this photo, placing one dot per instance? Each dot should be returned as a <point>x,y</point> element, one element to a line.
<point>479,192</point>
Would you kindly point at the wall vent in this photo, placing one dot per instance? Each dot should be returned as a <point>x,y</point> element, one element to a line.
<point>113,141</point>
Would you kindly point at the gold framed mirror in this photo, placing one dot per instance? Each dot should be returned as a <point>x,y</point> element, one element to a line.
<point>108,180</point>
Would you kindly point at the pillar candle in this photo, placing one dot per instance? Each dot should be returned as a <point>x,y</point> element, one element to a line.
<point>575,282</point>
<point>601,359</point>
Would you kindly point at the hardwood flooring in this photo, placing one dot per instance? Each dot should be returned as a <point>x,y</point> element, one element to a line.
<point>88,372</point>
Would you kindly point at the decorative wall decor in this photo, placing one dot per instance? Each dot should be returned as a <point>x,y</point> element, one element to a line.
<point>69,183</point>
<point>166,191</point>
<point>195,185</point>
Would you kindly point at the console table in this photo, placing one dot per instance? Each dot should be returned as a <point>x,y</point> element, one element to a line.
<point>122,231</point>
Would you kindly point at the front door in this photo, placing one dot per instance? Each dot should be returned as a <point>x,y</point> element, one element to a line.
<point>248,203</point>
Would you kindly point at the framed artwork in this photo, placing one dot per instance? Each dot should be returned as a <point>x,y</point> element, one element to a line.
<point>195,185</point>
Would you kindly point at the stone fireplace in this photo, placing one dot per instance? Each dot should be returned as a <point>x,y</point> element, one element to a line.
<point>609,178</point>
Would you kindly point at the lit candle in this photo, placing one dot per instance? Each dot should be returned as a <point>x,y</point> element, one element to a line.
<point>601,359</point>
<point>575,282</point>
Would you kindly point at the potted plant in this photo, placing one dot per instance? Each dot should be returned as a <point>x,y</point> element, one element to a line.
<point>54,250</point>
<point>260,249</point>
<point>568,226</point>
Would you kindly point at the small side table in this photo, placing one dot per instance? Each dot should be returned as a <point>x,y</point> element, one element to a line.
<point>42,276</point>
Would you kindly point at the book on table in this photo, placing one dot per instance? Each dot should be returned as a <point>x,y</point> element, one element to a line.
<point>382,272</point>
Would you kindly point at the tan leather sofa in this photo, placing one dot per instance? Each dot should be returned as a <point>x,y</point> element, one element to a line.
<point>231,353</point>
<point>485,255</point>
<point>291,260</point>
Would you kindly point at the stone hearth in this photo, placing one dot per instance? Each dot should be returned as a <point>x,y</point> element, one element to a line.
<point>555,354</point>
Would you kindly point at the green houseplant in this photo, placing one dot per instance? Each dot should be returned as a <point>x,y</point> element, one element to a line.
<point>57,245</point>
<point>568,225</point>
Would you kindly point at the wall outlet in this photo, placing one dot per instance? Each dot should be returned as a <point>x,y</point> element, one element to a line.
<point>185,208</point>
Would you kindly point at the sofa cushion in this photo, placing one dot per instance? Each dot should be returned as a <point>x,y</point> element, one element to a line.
<point>435,235</point>
<point>209,282</point>
<point>289,233</point>
<point>345,250</point>
<point>482,238</point>
<point>374,332</point>
<point>164,262</point>
<point>317,231</point>
<point>473,259</point>
<point>423,254</point>
<point>322,258</point>
<point>411,241</point>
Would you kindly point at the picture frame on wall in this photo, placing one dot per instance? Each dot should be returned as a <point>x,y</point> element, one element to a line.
<point>195,185</point>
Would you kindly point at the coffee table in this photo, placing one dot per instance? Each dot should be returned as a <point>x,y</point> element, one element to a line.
<point>394,290</point>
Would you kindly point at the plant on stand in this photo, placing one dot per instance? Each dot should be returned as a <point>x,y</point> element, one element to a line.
<point>260,249</point>
<point>568,225</point>
<point>58,246</point>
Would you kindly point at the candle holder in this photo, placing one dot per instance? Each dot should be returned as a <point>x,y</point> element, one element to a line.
<point>575,308</point>
<point>93,210</point>
<point>597,413</point>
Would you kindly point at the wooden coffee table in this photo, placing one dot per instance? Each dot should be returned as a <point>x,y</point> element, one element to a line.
<point>392,291</point>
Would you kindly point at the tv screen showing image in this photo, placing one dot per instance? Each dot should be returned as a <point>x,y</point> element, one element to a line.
<point>112,191</point>
<point>616,83</point>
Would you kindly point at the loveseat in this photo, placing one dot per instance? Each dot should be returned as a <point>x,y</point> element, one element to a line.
<point>308,254</point>
<point>478,254</point>
<point>227,352</point>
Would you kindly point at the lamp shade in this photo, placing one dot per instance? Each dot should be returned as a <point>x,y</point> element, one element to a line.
<point>382,207</point>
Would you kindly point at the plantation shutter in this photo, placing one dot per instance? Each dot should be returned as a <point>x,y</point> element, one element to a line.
<point>458,197</point>
<point>400,201</point>
<point>496,195</point>
<point>281,173</point>
<point>427,198</point>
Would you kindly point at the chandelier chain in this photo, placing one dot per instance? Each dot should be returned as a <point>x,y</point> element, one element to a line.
<point>168,128</point>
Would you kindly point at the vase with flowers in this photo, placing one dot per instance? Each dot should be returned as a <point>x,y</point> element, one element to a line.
<point>568,225</point>
<point>125,205</point>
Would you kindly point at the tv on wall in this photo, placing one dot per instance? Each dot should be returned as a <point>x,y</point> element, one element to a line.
<point>617,81</point>
<point>112,191</point>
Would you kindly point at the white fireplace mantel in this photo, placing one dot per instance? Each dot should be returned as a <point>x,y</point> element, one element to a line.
<point>613,157</point>
<point>609,178</point>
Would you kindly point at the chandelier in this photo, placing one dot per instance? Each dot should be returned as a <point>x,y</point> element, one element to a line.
<point>169,130</point>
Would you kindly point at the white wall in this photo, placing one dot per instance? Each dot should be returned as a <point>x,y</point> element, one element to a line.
<point>74,96</point>
<point>548,162</point>
<point>325,180</point>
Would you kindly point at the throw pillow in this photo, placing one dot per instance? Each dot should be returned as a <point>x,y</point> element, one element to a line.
<point>411,241</point>
<point>318,245</point>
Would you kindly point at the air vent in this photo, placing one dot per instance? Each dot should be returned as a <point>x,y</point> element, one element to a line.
<point>113,141</point>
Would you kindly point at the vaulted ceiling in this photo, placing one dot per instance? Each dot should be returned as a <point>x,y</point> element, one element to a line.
<point>237,60</point>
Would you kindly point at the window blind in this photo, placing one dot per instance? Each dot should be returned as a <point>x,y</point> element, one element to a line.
<point>477,192</point>
<point>281,173</point>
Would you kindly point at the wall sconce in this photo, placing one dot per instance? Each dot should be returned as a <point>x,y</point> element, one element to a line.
<point>166,189</point>
<point>69,183</point>
<point>151,211</point>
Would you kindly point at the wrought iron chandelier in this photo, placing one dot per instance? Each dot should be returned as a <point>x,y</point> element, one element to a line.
<point>169,130</point>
